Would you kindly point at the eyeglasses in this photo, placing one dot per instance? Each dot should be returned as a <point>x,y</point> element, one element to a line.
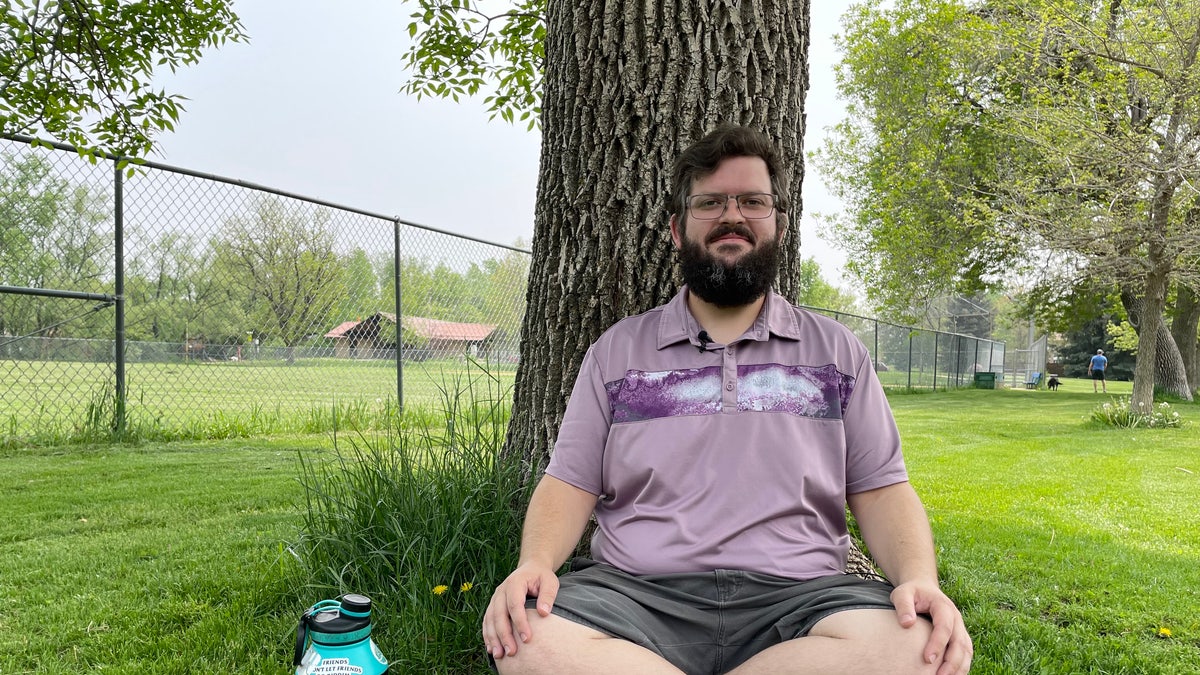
<point>752,205</point>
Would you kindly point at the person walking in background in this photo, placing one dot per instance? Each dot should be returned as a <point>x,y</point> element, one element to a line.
<point>1096,367</point>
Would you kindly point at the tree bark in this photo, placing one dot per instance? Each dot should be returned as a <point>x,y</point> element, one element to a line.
<point>626,87</point>
<point>1184,325</point>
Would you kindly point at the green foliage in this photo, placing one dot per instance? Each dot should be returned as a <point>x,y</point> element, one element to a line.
<point>423,520</point>
<point>1121,413</point>
<point>460,50</point>
<point>285,261</point>
<point>1040,140</point>
<point>82,71</point>
<point>815,291</point>
<point>52,235</point>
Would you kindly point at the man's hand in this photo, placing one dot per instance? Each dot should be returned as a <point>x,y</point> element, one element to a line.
<point>949,645</point>
<point>505,620</point>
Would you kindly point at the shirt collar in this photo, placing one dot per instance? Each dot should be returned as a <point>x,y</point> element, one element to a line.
<point>678,324</point>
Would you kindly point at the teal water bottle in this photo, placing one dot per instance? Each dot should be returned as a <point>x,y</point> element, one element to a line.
<point>334,638</point>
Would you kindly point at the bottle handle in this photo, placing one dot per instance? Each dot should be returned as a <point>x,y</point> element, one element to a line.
<point>301,639</point>
<point>302,629</point>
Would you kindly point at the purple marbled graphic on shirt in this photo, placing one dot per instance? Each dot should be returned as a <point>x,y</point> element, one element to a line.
<point>808,391</point>
<point>820,392</point>
<point>668,393</point>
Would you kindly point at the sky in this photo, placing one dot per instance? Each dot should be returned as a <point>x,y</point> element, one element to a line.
<point>312,105</point>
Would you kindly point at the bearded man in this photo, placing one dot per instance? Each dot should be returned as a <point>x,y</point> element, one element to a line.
<point>717,440</point>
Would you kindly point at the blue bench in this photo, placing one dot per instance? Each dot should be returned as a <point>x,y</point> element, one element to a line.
<point>1034,380</point>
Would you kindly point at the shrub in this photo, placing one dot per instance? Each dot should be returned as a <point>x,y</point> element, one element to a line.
<point>1120,413</point>
<point>425,520</point>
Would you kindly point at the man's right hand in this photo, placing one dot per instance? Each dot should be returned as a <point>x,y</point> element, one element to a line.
<point>505,623</point>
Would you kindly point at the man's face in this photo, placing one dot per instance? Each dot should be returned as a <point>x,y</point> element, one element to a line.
<point>731,260</point>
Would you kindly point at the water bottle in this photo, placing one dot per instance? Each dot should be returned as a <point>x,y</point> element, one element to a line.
<point>334,638</point>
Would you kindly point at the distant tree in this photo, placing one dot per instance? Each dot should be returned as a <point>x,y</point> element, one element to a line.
<point>284,258</point>
<point>53,235</point>
<point>813,290</point>
<point>81,71</point>
<point>175,293</point>
<point>362,286</point>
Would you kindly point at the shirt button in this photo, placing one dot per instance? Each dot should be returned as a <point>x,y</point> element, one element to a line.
<point>728,386</point>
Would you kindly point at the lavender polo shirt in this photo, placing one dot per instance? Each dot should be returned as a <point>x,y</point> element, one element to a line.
<point>738,457</point>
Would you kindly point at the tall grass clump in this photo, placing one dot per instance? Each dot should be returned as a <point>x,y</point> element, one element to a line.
<point>424,519</point>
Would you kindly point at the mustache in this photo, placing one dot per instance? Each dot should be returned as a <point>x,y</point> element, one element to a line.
<point>730,228</point>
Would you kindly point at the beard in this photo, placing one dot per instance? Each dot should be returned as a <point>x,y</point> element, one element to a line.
<point>729,285</point>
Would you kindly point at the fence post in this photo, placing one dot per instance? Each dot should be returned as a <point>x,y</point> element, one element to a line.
<point>875,323</point>
<point>119,292</point>
<point>910,363</point>
<point>399,316</point>
<point>935,354</point>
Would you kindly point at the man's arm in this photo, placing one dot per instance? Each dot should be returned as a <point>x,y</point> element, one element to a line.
<point>896,531</point>
<point>557,515</point>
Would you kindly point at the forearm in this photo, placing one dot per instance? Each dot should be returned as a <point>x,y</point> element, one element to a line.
<point>557,515</point>
<point>895,529</point>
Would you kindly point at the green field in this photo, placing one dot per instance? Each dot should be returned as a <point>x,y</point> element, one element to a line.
<point>51,399</point>
<point>1070,546</point>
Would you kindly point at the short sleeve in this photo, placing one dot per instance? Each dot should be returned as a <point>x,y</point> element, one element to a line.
<point>578,456</point>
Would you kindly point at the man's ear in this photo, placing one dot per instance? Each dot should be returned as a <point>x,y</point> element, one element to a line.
<point>676,236</point>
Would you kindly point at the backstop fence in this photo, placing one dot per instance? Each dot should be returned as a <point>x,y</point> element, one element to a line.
<point>186,301</point>
<point>917,358</point>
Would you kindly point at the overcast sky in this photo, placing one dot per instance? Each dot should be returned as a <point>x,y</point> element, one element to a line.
<point>312,105</point>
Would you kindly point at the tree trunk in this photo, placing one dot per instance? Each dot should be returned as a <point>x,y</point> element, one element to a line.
<point>1184,325</point>
<point>627,86</point>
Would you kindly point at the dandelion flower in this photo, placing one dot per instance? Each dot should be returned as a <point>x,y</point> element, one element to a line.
<point>466,586</point>
<point>1164,632</point>
<point>440,588</point>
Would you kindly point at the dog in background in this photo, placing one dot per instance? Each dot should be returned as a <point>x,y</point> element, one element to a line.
<point>1052,383</point>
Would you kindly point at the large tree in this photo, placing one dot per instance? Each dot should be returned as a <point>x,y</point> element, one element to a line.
<point>81,71</point>
<point>1054,137</point>
<point>624,87</point>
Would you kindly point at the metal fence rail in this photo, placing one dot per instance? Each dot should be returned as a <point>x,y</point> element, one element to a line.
<point>181,300</point>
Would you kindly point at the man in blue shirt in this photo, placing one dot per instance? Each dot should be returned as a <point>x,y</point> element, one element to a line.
<point>1096,367</point>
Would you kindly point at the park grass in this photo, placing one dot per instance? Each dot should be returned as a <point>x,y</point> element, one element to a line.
<point>52,402</point>
<point>1069,545</point>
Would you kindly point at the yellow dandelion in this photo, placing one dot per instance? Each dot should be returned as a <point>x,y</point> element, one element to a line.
<point>440,588</point>
<point>1164,632</point>
<point>466,586</point>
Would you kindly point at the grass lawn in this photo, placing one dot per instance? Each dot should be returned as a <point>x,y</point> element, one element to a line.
<point>50,399</point>
<point>1071,547</point>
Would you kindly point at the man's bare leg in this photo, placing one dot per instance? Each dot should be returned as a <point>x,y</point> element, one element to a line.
<point>561,646</point>
<point>850,642</point>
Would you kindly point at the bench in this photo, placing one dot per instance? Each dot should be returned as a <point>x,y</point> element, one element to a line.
<point>1034,380</point>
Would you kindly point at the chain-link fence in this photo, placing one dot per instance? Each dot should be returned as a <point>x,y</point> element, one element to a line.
<point>916,358</point>
<point>198,304</point>
<point>231,304</point>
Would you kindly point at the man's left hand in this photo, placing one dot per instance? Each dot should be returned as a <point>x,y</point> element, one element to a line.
<point>949,645</point>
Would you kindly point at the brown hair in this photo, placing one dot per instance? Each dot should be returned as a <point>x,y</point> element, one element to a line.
<point>702,157</point>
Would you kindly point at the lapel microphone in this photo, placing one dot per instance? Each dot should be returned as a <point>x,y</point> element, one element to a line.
<point>702,336</point>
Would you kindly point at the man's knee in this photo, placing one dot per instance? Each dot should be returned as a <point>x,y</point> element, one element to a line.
<point>553,642</point>
<point>882,639</point>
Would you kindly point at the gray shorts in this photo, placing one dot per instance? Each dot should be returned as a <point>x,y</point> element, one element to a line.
<point>707,622</point>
